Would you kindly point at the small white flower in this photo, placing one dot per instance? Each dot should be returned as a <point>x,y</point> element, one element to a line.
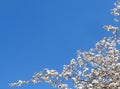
<point>95,82</point>
<point>113,85</point>
<point>63,86</point>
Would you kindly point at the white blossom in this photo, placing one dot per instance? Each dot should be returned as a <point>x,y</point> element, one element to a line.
<point>97,68</point>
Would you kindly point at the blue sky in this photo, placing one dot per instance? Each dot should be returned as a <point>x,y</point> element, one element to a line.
<point>35,34</point>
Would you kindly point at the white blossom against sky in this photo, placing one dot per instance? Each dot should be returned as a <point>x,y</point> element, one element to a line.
<point>35,34</point>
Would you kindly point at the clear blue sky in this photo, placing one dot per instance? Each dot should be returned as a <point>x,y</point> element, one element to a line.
<point>35,34</point>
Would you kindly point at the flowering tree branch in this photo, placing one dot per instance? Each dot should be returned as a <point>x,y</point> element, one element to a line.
<point>98,68</point>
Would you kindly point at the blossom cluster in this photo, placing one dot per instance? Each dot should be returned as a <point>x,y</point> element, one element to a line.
<point>116,11</point>
<point>98,68</point>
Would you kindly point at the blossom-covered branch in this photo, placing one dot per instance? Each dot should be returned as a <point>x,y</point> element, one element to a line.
<point>98,68</point>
